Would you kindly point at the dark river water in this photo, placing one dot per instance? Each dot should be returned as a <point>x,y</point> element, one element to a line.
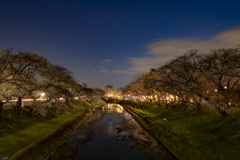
<point>111,133</point>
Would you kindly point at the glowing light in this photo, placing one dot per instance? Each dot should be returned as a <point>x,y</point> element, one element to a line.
<point>42,94</point>
<point>215,90</point>
<point>207,91</point>
<point>225,87</point>
<point>229,104</point>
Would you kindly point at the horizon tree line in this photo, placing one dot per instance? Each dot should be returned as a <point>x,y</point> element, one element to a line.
<point>193,79</point>
<point>28,74</point>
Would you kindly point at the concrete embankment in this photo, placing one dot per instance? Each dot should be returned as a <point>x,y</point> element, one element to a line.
<point>173,143</point>
<point>44,146</point>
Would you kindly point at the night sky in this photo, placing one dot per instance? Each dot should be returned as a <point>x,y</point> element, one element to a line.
<point>108,41</point>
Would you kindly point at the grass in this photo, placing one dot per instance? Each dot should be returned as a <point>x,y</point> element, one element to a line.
<point>194,129</point>
<point>22,128</point>
<point>96,102</point>
<point>67,109</point>
<point>14,120</point>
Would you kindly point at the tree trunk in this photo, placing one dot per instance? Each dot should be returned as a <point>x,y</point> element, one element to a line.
<point>173,105</point>
<point>1,107</point>
<point>19,102</point>
<point>198,107</point>
<point>33,105</point>
<point>167,105</point>
<point>67,99</point>
<point>57,101</point>
<point>223,112</point>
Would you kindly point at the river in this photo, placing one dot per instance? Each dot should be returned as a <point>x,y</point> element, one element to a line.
<point>111,133</point>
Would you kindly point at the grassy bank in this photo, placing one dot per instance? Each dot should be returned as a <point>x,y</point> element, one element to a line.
<point>194,129</point>
<point>96,102</point>
<point>20,128</point>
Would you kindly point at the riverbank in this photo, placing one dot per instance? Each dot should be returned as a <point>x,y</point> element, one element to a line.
<point>23,136</point>
<point>189,134</point>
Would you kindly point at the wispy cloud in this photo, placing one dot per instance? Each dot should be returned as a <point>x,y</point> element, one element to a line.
<point>162,51</point>
<point>107,60</point>
<point>100,69</point>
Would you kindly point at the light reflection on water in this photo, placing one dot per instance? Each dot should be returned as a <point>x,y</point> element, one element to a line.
<point>111,133</point>
<point>114,108</point>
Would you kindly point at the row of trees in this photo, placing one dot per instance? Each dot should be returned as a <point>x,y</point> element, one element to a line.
<point>192,78</point>
<point>27,74</point>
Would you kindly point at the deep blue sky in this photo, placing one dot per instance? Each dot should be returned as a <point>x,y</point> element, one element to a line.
<point>131,24</point>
